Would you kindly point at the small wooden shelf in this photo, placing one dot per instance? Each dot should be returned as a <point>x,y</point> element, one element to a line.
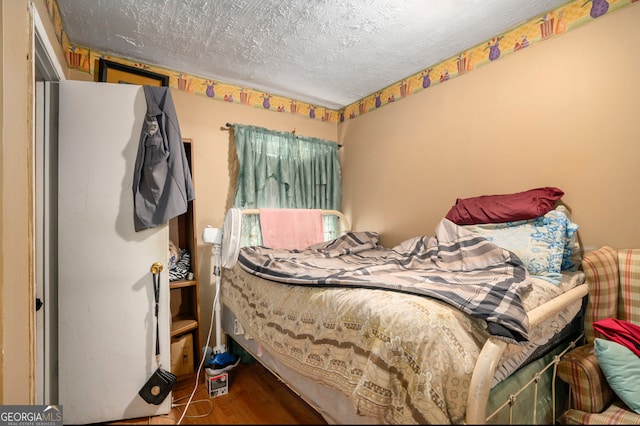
<point>182,284</point>
<point>181,325</point>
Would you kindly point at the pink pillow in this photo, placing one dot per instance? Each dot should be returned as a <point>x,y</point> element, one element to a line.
<point>504,208</point>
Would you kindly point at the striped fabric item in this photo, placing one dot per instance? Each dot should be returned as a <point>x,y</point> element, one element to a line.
<point>629,297</point>
<point>579,368</point>
<point>601,271</point>
<point>456,266</point>
<point>616,413</point>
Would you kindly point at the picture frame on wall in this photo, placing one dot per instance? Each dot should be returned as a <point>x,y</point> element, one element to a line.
<point>113,72</point>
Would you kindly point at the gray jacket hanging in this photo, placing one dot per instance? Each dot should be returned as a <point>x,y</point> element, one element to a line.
<point>162,186</point>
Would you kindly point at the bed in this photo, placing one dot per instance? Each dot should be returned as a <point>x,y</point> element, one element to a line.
<point>378,344</point>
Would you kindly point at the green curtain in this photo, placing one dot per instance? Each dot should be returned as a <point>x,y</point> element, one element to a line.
<point>282,170</point>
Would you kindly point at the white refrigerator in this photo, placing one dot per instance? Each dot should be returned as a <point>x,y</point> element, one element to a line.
<point>106,323</point>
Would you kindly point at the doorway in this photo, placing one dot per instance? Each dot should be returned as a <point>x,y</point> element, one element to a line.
<point>47,72</point>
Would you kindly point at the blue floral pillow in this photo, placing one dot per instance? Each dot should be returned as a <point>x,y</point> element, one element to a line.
<point>572,257</point>
<point>544,244</point>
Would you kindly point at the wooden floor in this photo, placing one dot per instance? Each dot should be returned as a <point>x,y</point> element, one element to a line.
<point>255,397</point>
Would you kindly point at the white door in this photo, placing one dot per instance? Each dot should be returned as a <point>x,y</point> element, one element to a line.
<point>105,287</point>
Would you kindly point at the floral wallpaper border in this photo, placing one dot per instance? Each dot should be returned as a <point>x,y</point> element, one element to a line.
<point>551,24</point>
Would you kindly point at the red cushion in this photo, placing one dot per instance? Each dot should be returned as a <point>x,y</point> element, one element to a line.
<point>623,332</point>
<point>504,208</point>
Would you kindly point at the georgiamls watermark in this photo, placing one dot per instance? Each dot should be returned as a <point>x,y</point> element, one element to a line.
<point>30,415</point>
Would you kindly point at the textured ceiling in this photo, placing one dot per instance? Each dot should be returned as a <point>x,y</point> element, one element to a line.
<point>329,53</point>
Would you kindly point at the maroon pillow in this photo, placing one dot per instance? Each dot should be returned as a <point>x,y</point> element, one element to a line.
<point>504,208</point>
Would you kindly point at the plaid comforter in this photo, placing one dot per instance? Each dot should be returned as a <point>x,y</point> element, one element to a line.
<point>455,266</point>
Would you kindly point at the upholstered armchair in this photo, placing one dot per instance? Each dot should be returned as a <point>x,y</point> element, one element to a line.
<point>613,277</point>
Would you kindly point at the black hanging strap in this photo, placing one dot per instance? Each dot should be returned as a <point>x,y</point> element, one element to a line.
<point>156,288</point>
<point>156,268</point>
<point>161,382</point>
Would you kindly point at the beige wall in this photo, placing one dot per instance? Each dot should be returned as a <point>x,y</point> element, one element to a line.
<point>560,113</point>
<point>202,119</point>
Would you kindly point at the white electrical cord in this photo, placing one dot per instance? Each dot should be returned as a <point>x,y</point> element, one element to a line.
<point>216,256</point>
